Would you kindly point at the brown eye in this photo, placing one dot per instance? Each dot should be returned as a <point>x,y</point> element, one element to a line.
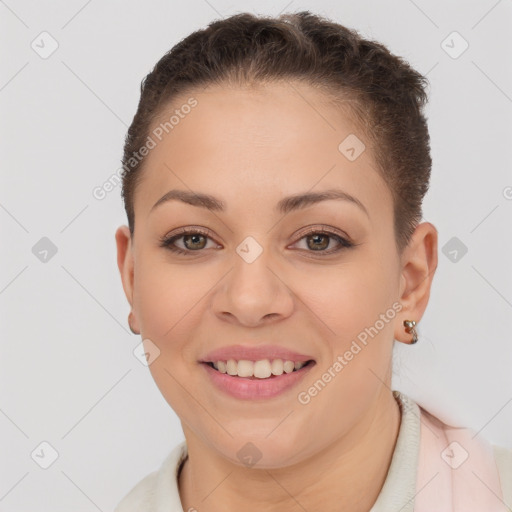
<point>194,242</point>
<point>318,241</point>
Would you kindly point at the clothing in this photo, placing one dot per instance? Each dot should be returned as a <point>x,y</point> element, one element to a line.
<point>434,468</point>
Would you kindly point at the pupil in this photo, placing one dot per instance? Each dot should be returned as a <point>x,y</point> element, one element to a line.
<point>194,239</point>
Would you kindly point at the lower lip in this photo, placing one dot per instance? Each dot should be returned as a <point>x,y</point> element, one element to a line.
<point>253,389</point>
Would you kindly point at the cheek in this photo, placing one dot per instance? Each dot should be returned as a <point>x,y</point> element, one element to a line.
<point>168,301</point>
<point>353,308</point>
<point>349,297</point>
<point>166,295</point>
<point>171,301</point>
<point>357,308</point>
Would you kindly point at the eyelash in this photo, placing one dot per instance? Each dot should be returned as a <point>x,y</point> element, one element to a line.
<point>167,242</point>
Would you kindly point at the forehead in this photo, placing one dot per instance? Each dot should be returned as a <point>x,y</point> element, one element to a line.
<point>259,143</point>
<point>268,115</point>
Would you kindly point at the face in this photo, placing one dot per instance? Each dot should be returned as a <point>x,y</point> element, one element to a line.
<point>320,279</point>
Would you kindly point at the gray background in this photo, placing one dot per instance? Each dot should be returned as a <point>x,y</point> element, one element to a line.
<point>68,373</point>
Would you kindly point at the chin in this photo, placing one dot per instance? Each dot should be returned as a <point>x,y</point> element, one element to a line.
<point>255,452</point>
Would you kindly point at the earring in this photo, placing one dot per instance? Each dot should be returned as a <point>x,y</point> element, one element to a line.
<point>130,316</point>
<point>410,328</point>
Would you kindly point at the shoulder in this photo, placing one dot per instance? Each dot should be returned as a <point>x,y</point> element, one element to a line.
<point>483,457</point>
<point>141,497</point>
<point>457,445</point>
<point>157,489</point>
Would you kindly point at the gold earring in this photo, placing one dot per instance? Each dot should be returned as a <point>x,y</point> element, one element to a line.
<point>410,328</point>
<point>130,316</point>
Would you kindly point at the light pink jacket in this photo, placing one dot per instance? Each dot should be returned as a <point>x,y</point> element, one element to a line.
<point>460,471</point>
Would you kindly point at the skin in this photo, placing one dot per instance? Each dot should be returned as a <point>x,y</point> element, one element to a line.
<point>250,147</point>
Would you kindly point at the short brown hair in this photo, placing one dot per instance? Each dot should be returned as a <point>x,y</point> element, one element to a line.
<point>386,95</point>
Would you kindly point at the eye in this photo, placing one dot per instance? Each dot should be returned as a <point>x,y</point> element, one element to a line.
<point>318,239</point>
<point>193,240</point>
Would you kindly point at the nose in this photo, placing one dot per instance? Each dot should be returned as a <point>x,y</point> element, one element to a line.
<point>253,293</point>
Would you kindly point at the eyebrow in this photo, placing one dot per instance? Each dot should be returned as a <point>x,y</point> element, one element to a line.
<point>284,206</point>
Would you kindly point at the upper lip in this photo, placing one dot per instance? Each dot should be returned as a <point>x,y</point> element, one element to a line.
<point>254,353</point>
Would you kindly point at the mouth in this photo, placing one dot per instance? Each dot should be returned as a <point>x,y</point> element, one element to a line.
<point>259,380</point>
<point>258,370</point>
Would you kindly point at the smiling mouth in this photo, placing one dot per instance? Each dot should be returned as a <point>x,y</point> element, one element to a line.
<point>297,368</point>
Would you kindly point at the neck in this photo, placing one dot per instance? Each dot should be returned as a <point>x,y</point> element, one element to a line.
<point>348,475</point>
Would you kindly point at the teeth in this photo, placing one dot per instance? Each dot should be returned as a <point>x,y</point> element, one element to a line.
<point>277,367</point>
<point>261,369</point>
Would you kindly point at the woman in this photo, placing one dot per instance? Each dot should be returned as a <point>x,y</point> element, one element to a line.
<point>274,176</point>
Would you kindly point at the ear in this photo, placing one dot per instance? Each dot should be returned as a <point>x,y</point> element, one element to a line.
<point>125,263</point>
<point>418,263</point>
